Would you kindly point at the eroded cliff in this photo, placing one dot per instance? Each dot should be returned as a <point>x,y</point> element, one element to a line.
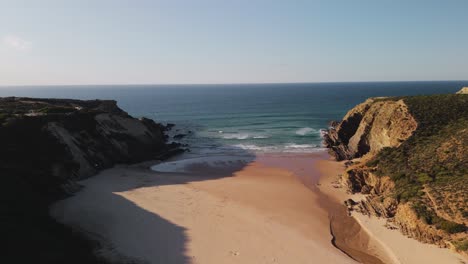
<point>48,144</point>
<point>369,127</point>
<point>408,156</point>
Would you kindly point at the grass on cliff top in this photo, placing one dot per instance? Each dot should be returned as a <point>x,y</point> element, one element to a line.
<point>461,245</point>
<point>429,217</point>
<point>56,110</point>
<point>436,154</point>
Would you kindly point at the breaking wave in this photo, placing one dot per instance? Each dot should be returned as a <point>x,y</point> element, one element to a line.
<point>306,131</point>
<point>286,148</point>
<point>241,136</point>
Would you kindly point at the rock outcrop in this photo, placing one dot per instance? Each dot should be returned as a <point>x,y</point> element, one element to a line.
<point>46,146</point>
<point>463,90</point>
<point>92,135</point>
<point>425,195</point>
<point>369,127</point>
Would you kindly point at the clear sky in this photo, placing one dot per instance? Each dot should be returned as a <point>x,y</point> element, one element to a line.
<point>253,41</point>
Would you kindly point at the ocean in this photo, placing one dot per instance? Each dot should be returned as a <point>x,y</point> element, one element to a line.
<point>220,119</point>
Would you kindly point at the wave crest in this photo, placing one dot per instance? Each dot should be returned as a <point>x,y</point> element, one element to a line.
<point>306,131</point>
<point>287,148</point>
<point>242,136</point>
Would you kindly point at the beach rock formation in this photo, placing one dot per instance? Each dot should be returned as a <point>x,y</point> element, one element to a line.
<point>409,159</point>
<point>49,144</point>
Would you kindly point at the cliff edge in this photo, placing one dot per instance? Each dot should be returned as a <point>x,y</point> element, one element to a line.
<point>49,144</point>
<point>463,90</point>
<point>408,155</point>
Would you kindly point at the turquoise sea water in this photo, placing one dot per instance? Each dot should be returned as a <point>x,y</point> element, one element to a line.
<point>252,117</point>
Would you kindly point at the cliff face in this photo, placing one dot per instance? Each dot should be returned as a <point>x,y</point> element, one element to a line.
<point>48,144</point>
<point>108,139</point>
<point>408,156</point>
<point>369,127</point>
<point>91,135</point>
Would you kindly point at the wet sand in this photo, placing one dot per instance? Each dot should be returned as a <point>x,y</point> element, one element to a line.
<point>348,235</point>
<point>266,210</point>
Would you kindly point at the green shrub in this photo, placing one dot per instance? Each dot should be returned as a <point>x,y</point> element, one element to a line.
<point>416,162</point>
<point>461,245</point>
<point>430,218</point>
<point>424,178</point>
<point>449,226</point>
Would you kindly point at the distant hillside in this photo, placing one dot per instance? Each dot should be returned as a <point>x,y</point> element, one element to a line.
<point>48,144</point>
<point>410,156</point>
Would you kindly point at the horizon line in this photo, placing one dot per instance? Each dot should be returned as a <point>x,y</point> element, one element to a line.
<point>212,84</point>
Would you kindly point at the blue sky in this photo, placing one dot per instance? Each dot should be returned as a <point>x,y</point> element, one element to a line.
<point>145,42</point>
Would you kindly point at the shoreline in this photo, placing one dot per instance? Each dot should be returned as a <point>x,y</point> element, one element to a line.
<point>396,247</point>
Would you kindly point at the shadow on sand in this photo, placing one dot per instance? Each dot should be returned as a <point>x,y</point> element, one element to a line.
<point>120,225</point>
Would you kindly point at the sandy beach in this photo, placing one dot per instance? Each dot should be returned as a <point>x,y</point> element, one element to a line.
<point>269,209</point>
<point>261,211</point>
<point>397,248</point>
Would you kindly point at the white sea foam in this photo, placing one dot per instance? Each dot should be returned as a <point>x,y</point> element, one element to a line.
<point>305,131</point>
<point>287,148</point>
<point>323,132</point>
<point>260,137</point>
<point>242,136</point>
<point>299,146</point>
<point>236,136</point>
<point>252,147</point>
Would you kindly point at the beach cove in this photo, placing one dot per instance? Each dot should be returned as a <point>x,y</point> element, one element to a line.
<point>256,186</point>
<point>262,210</point>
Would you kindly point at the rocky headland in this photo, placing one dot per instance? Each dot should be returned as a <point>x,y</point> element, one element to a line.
<point>463,90</point>
<point>46,146</point>
<point>408,157</point>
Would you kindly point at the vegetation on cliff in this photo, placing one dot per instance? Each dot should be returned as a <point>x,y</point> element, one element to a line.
<point>428,171</point>
<point>433,159</point>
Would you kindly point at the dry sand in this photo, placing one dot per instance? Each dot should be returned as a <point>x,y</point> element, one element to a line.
<point>255,213</point>
<point>391,245</point>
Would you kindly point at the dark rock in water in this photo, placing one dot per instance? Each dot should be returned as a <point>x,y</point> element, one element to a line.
<point>168,126</point>
<point>46,146</point>
<point>179,136</point>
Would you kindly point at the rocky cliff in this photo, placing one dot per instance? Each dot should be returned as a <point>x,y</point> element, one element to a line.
<point>369,127</point>
<point>408,155</point>
<point>48,144</point>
